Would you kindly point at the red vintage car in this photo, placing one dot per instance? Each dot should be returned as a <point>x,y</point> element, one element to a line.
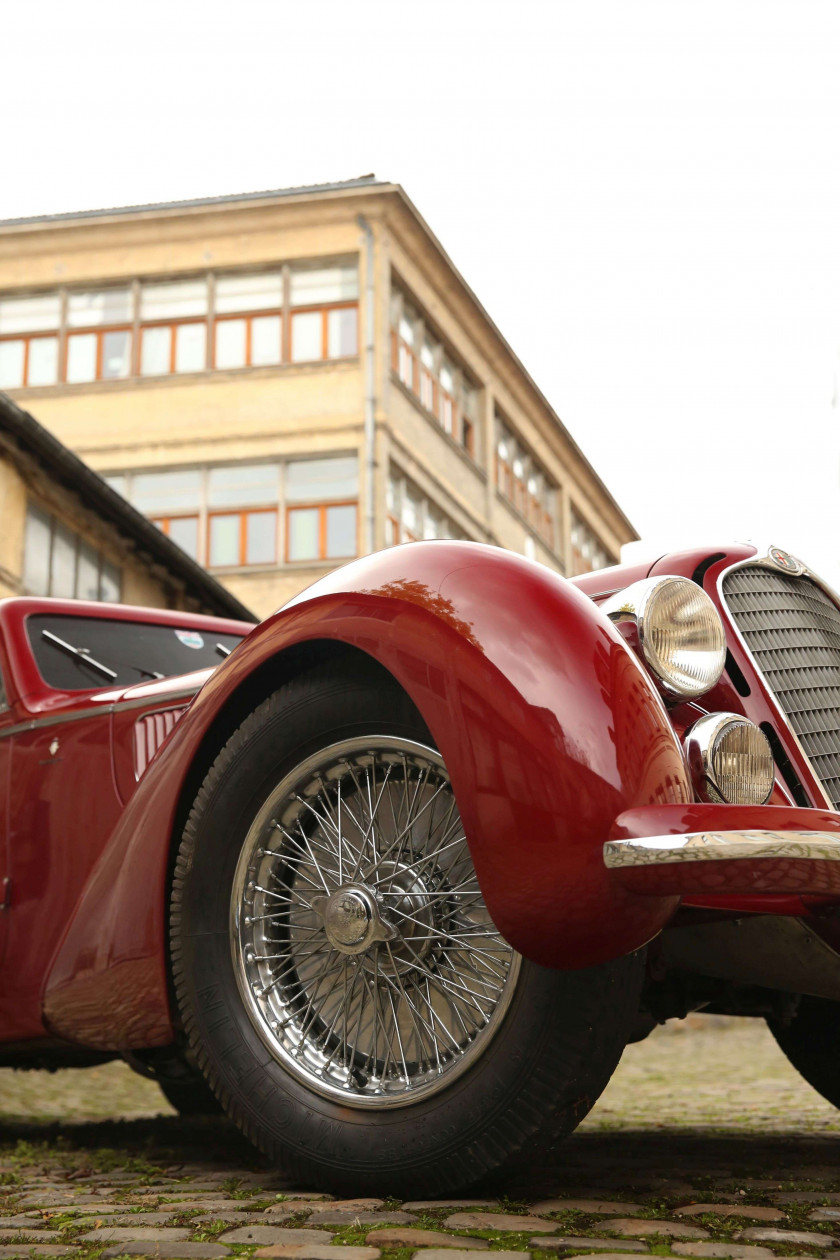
<point>394,877</point>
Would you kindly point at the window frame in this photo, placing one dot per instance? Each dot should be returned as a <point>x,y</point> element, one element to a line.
<point>243,513</point>
<point>78,541</point>
<point>322,506</point>
<point>136,325</point>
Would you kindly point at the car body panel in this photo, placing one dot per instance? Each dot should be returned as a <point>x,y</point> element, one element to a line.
<point>517,676</point>
<point>549,724</point>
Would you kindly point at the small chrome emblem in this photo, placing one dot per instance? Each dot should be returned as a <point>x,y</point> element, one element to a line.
<point>784,560</point>
<point>53,747</point>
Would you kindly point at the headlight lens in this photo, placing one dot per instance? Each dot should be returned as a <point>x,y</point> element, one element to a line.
<point>680,632</point>
<point>730,760</point>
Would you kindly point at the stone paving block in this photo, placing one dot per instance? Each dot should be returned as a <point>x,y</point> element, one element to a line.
<point>229,1218</point>
<point>792,1236</point>
<point>171,1251</point>
<point>423,1205</point>
<point>23,1220</point>
<point>317,1252</point>
<point>408,1237</point>
<point>357,1205</point>
<point>738,1251</point>
<point>138,1218</point>
<point>585,1205</point>
<point>571,1242</point>
<point>36,1235</point>
<point>825,1214</point>
<point>37,1249</point>
<point>350,1217</point>
<point>149,1233</point>
<point>732,1209</point>
<point>289,1207</point>
<point>206,1205</point>
<point>268,1234</point>
<point>806,1196</point>
<point>444,1253</point>
<point>500,1220</point>
<point>635,1228</point>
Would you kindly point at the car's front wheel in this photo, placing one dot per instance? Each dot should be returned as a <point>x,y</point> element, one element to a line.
<point>340,980</point>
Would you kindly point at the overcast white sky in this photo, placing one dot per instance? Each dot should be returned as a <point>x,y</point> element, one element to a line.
<point>645,194</point>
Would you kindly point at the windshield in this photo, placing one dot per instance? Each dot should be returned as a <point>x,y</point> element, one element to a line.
<point>81,653</point>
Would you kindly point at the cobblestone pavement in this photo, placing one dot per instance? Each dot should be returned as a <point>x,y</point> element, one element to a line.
<point>706,1144</point>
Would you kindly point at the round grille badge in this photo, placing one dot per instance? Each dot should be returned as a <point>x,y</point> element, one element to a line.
<point>784,560</point>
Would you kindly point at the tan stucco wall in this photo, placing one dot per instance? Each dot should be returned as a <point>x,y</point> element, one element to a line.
<point>253,414</point>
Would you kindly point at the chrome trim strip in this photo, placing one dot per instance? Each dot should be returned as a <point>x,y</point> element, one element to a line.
<point>121,706</point>
<point>722,846</point>
<point>764,562</point>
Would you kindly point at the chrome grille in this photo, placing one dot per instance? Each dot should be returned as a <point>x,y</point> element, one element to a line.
<point>792,629</point>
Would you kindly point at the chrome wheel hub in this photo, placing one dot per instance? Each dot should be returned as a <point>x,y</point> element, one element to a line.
<point>362,947</point>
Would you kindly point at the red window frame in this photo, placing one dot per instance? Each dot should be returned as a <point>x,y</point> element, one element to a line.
<point>322,508</point>
<point>324,311</point>
<point>99,332</point>
<point>243,513</point>
<point>26,338</point>
<point>248,316</point>
<point>171,324</point>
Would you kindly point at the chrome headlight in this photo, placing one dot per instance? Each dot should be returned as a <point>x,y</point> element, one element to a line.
<point>730,759</point>
<point>680,632</point>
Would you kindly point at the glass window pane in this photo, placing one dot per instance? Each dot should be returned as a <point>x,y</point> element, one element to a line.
<point>108,306</point>
<point>116,355</point>
<point>158,494</point>
<point>342,336</point>
<point>312,286</point>
<point>81,357</point>
<point>261,538</point>
<point>87,577</point>
<point>239,484</point>
<point>249,293</point>
<point>173,301</point>
<point>183,530</point>
<point>43,361</point>
<point>156,348</point>
<point>224,539</point>
<point>110,583</point>
<point>341,531</point>
<point>11,364</point>
<point>118,482</point>
<point>36,552</point>
<point>230,343</point>
<point>306,337</point>
<point>63,565</point>
<point>317,480</point>
<point>190,347</point>
<point>30,314</point>
<point>407,330</point>
<point>303,534</point>
<point>265,340</point>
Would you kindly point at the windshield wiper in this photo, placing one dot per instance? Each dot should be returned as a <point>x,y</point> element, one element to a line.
<point>81,654</point>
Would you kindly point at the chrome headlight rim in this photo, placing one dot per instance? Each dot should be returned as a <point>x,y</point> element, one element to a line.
<point>700,744</point>
<point>636,604</point>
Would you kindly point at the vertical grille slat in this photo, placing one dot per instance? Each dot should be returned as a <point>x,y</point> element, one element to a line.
<point>792,629</point>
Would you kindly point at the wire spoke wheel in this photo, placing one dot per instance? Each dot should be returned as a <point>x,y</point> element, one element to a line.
<point>362,947</point>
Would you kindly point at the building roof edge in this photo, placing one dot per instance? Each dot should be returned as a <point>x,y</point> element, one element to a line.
<point>72,472</point>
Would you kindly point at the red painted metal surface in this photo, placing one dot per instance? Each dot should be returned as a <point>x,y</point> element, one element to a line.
<point>58,795</point>
<point>549,726</point>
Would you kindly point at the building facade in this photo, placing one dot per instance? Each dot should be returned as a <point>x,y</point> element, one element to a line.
<point>283,381</point>
<point>67,534</point>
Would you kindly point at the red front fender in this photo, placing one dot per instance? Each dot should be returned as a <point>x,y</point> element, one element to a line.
<point>549,728</point>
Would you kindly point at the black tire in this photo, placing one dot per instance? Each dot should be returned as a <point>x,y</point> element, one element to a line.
<point>553,1050</point>
<point>811,1042</point>
<point>191,1096</point>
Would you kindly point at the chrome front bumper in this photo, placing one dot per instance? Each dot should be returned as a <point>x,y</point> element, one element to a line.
<point>740,861</point>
